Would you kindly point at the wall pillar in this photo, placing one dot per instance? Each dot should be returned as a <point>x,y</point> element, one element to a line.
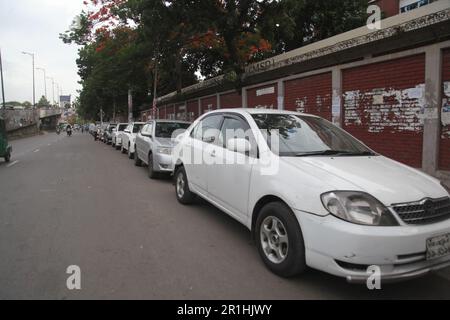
<point>280,98</point>
<point>336,106</point>
<point>244,98</point>
<point>218,101</point>
<point>432,105</point>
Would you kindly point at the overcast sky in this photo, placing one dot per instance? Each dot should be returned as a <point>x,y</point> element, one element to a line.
<point>34,26</point>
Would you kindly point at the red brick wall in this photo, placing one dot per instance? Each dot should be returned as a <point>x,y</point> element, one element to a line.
<point>209,102</point>
<point>180,111</point>
<point>310,95</point>
<point>170,112</point>
<point>444,150</point>
<point>382,107</point>
<point>230,100</point>
<point>192,110</point>
<point>389,7</point>
<point>268,101</point>
<point>162,112</point>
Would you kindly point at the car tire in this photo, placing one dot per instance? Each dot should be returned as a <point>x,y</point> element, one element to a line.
<point>8,157</point>
<point>137,161</point>
<point>280,244</point>
<point>151,172</point>
<point>184,194</point>
<point>130,155</point>
<point>117,147</point>
<point>122,149</point>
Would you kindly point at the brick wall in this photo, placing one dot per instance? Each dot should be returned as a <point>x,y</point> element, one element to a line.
<point>382,107</point>
<point>230,100</point>
<point>180,110</point>
<point>263,97</point>
<point>209,103</point>
<point>192,110</point>
<point>170,114</point>
<point>444,148</point>
<point>310,95</point>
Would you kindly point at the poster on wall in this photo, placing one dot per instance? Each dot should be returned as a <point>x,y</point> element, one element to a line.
<point>445,114</point>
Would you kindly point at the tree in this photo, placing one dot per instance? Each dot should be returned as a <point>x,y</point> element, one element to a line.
<point>123,43</point>
<point>43,103</point>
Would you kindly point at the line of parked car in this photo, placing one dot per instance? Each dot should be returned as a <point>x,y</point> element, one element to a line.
<point>311,194</point>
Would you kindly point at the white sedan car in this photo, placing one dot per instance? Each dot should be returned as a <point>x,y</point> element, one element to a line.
<point>116,141</point>
<point>128,136</point>
<point>313,195</point>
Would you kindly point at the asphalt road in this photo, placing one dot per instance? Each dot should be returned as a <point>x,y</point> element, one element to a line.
<point>73,201</point>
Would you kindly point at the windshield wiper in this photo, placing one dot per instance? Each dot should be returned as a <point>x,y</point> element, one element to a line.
<point>335,152</point>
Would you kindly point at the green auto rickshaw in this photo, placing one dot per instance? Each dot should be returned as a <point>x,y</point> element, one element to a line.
<point>5,148</point>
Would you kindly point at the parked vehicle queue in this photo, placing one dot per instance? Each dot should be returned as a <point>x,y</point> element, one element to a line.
<point>311,194</point>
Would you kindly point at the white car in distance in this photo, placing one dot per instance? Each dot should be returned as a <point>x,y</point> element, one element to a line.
<point>128,136</point>
<point>313,195</point>
<point>116,135</point>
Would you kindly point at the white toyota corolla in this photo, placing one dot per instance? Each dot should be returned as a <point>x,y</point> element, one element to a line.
<point>315,196</point>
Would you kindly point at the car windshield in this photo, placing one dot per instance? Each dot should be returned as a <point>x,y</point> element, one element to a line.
<point>137,128</point>
<point>166,129</point>
<point>291,135</point>
<point>122,127</point>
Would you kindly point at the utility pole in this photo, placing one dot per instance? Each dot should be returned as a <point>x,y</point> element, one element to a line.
<point>34,86</point>
<point>3,86</point>
<point>155,83</point>
<point>130,106</point>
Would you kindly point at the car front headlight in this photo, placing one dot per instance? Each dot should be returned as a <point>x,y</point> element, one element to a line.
<point>164,150</point>
<point>358,207</point>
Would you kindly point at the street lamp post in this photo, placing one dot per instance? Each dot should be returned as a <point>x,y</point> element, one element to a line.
<point>34,87</point>
<point>45,81</point>
<point>3,87</point>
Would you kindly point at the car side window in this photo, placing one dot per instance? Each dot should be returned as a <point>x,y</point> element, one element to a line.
<point>144,129</point>
<point>149,129</point>
<point>208,129</point>
<point>235,127</point>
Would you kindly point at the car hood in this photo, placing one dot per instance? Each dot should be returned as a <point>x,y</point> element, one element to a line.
<point>385,179</point>
<point>165,142</point>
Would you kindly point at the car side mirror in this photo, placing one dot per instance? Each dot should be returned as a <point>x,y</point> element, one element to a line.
<point>126,131</point>
<point>239,145</point>
<point>144,134</point>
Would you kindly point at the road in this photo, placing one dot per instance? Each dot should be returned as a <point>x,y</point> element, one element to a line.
<point>73,201</point>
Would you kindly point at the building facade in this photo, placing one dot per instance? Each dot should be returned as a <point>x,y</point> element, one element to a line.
<point>390,88</point>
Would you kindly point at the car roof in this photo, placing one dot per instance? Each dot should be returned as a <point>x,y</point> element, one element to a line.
<point>251,111</point>
<point>170,121</point>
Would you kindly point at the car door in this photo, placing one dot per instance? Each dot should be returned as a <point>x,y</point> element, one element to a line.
<point>126,136</point>
<point>229,176</point>
<point>203,136</point>
<point>147,141</point>
<point>140,141</point>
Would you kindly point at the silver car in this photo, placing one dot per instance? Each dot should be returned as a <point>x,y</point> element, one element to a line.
<point>154,144</point>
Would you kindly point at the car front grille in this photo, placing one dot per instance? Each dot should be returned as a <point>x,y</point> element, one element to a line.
<point>424,212</point>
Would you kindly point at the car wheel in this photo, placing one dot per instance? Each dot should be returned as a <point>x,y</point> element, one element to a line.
<point>117,147</point>
<point>280,240</point>
<point>130,155</point>
<point>184,195</point>
<point>8,157</point>
<point>122,149</point>
<point>137,161</point>
<point>151,172</point>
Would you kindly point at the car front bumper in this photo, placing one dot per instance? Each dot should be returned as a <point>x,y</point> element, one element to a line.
<point>163,162</point>
<point>348,250</point>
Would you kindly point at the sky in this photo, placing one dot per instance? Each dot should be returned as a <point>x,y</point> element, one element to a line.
<point>34,26</point>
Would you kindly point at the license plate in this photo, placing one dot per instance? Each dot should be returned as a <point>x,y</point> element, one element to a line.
<point>438,247</point>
